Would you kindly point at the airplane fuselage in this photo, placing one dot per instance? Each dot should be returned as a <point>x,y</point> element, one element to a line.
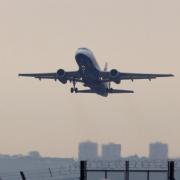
<point>89,70</point>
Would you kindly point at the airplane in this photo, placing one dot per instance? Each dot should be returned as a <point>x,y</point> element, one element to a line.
<point>90,74</point>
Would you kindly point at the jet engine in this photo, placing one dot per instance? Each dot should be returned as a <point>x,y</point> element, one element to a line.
<point>62,76</point>
<point>114,76</point>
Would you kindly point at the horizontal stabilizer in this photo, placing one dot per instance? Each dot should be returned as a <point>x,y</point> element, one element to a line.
<point>86,91</point>
<point>114,91</point>
<point>111,91</point>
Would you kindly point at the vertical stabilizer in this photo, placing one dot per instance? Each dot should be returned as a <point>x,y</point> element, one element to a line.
<point>106,67</point>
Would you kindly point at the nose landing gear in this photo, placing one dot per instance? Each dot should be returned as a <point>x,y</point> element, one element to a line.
<point>74,89</point>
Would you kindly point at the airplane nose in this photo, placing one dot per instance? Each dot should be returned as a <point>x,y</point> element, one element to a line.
<point>83,51</point>
<point>79,57</point>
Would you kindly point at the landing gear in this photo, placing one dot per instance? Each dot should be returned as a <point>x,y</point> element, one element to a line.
<point>109,89</point>
<point>74,89</point>
<point>109,85</point>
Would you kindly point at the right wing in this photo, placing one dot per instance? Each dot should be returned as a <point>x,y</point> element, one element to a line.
<point>106,76</point>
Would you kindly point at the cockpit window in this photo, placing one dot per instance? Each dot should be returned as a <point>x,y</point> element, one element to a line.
<point>84,48</point>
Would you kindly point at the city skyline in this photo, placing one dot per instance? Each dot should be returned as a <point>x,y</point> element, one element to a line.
<point>113,151</point>
<point>89,150</point>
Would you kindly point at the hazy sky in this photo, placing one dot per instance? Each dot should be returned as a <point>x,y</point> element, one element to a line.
<point>132,36</point>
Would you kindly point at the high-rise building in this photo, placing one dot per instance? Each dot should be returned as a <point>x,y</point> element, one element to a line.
<point>158,151</point>
<point>88,151</point>
<point>111,151</point>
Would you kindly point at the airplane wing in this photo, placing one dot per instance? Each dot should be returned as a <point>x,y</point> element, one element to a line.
<point>132,76</point>
<point>118,76</point>
<point>41,75</point>
<point>71,75</point>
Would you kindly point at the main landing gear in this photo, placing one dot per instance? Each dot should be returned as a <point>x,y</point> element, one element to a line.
<point>74,89</point>
<point>109,89</point>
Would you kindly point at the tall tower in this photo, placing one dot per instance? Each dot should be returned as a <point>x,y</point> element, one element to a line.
<point>158,151</point>
<point>111,151</point>
<point>88,151</point>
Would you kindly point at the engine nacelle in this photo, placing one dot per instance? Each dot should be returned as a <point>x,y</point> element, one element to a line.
<point>114,73</point>
<point>62,76</point>
<point>61,73</point>
<point>114,76</point>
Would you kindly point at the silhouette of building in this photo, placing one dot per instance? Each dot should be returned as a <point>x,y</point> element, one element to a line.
<point>111,151</point>
<point>158,151</point>
<point>34,154</point>
<point>88,151</point>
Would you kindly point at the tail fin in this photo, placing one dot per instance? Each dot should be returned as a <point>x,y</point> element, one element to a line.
<point>106,67</point>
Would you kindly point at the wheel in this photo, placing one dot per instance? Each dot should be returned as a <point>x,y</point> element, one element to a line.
<point>72,90</point>
<point>76,90</point>
<point>111,89</point>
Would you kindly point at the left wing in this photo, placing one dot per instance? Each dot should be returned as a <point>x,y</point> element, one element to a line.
<point>41,75</point>
<point>118,76</point>
<point>71,75</point>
